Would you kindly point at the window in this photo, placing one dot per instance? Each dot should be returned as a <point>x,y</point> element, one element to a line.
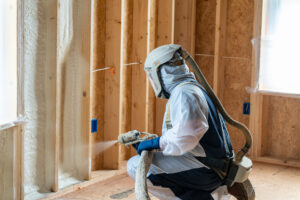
<point>280,47</point>
<point>8,61</point>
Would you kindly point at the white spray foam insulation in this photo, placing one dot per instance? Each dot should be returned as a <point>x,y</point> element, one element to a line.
<point>73,62</point>
<point>74,68</point>
<point>34,97</point>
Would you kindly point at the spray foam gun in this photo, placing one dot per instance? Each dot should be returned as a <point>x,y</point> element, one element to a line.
<point>133,137</point>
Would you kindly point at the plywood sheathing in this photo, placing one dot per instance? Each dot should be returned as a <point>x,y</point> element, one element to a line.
<point>98,80</point>
<point>239,26</point>
<point>239,30</point>
<point>185,23</point>
<point>205,37</point>
<point>236,78</point>
<point>112,82</point>
<point>280,128</point>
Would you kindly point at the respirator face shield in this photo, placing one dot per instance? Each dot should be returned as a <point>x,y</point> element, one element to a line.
<point>154,76</point>
<point>154,61</point>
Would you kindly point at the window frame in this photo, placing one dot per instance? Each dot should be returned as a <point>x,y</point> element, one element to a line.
<point>20,69</point>
<point>257,48</point>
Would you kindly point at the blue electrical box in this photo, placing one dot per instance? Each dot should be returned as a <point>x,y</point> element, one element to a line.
<point>94,125</point>
<point>246,108</point>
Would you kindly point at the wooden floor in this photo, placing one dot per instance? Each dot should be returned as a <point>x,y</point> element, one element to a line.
<point>270,182</point>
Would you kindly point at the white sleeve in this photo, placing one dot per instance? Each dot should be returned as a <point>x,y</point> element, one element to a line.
<point>189,111</point>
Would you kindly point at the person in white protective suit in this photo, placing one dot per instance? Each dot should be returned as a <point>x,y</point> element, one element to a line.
<point>192,129</point>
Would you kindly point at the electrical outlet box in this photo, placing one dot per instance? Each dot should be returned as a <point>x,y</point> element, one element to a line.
<point>246,108</point>
<point>94,125</point>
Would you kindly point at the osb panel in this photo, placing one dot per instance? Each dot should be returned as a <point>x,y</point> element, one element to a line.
<point>240,15</point>
<point>205,26</point>
<point>281,124</point>
<point>236,78</point>
<point>206,64</point>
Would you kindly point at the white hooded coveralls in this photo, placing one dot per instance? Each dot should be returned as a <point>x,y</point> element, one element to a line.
<point>180,144</point>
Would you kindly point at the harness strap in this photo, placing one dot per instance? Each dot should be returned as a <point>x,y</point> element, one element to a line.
<point>219,165</point>
<point>168,115</point>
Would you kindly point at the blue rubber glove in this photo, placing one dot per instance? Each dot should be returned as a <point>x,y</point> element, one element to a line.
<point>148,145</point>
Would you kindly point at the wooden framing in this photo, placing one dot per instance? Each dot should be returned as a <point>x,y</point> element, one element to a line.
<point>151,44</point>
<point>98,79</point>
<point>112,82</point>
<point>73,87</point>
<point>125,73</point>
<point>220,39</point>
<point>51,136</point>
<point>164,35</point>
<point>20,109</point>
<point>10,178</point>
<point>139,53</point>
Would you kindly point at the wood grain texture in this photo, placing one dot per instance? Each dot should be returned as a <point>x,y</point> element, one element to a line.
<point>20,109</point>
<point>112,82</point>
<point>256,98</point>
<point>73,110</point>
<point>184,27</point>
<point>151,44</point>
<point>220,38</point>
<point>239,30</point>
<point>51,136</point>
<point>235,94</point>
<point>125,74</point>
<point>281,127</point>
<point>206,64</point>
<point>164,36</point>
<point>205,26</point>
<point>98,82</point>
<point>139,54</point>
<point>6,163</point>
<point>10,162</point>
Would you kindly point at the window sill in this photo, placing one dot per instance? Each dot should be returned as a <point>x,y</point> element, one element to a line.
<point>12,124</point>
<point>281,94</point>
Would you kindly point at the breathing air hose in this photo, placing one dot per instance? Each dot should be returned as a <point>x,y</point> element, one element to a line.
<point>219,105</point>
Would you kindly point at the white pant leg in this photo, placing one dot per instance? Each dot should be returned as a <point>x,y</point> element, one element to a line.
<point>159,192</point>
<point>162,193</point>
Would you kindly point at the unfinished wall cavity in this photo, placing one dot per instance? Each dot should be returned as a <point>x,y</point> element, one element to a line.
<point>54,85</point>
<point>35,97</point>
<point>73,95</point>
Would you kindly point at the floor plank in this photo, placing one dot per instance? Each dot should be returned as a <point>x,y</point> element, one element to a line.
<point>270,182</point>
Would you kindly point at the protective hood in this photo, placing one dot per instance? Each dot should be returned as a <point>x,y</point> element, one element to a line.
<point>174,75</point>
<point>154,62</point>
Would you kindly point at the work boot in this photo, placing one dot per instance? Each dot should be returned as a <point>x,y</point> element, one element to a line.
<point>242,191</point>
